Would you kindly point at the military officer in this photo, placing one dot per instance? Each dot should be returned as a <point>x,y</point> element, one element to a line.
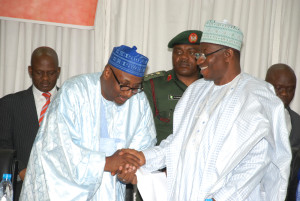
<point>165,88</point>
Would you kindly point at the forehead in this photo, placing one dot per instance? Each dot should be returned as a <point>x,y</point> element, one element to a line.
<point>208,46</point>
<point>282,77</point>
<point>45,62</point>
<point>43,59</point>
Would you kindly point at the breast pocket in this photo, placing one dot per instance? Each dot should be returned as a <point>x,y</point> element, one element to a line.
<point>110,145</point>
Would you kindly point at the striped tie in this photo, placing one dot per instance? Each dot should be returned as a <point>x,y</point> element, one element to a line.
<point>44,109</point>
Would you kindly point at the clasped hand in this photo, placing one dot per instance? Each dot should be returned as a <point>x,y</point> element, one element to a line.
<point>124,163</point>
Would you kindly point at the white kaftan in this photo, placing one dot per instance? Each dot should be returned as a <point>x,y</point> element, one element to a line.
<point>80,129</point>
<point>230,142</point>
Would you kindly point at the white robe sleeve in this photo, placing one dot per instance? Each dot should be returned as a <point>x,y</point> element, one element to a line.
<point>145,135</point>
<point>75,164</point>
<point>156,156</point>
<point>63,163</point>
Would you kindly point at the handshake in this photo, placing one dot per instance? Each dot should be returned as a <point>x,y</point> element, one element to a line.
<point>124,164</point>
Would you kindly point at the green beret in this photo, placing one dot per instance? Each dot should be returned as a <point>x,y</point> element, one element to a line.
<point>190,37</point>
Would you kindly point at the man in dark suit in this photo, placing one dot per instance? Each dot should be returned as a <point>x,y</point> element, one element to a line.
<point>22,112</point>
<point>283,78</point>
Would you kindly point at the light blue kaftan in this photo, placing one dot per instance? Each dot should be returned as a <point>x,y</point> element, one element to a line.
<point>79,130</point>
<point>230,143</point>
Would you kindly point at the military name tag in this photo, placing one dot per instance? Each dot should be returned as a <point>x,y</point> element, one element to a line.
<point>174,97</point>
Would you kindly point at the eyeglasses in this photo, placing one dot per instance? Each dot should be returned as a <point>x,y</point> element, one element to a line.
<point>204,56</point>
<point>126,88</point>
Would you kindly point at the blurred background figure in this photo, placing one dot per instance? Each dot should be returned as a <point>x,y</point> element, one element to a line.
<point>21,113</point>
<point>283,78</point>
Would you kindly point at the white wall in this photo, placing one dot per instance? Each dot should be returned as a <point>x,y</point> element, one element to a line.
<point>271,34</point>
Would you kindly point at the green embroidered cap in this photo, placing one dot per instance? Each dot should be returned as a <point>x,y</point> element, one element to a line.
<point>222,33</point>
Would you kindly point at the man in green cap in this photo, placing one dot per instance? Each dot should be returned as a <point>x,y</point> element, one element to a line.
<point>230,135</point>
<point>165,88</point>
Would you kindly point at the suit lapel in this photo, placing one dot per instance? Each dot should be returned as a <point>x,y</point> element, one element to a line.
<point>30,108</point>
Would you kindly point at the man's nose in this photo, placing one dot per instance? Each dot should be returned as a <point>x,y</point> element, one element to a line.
<point>283,92</point>
<point>127,94</point>
<point>184,56</point>
<point>45,76</point>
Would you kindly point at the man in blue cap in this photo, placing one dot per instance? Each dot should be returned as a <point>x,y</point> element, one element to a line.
<point>230,138</point>
<point>75,154</point>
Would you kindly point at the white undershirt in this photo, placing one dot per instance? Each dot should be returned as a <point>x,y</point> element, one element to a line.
<point>40,100</point>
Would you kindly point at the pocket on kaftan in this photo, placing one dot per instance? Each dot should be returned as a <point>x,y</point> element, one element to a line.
<point>110,145</point>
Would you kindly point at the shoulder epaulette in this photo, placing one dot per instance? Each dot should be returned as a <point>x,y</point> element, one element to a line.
<point>154,75</point>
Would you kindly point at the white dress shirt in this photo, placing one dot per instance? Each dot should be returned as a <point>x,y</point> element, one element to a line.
<point>40,100</point>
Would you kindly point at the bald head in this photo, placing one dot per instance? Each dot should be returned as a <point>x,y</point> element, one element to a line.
<point>41,51</point>
<point>44,69</point>
<point>283,78</point>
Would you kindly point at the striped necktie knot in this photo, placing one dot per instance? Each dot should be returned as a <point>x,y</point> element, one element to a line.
<point>47,95</point>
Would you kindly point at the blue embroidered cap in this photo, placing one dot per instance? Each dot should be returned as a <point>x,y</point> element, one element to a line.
<point>128,60</point>
<point>222,33</point>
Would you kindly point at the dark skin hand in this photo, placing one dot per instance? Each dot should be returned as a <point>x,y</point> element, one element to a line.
<point>138,154</point>
<point>125,174</point>
<point>130,168</point>
<point>128,177</point>
<point>22,174</point>
<point>118,162</point>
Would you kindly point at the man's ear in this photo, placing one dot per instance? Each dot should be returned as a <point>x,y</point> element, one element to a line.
<point>58,70</point>
<point>30,71</point>
<point>228,54</point>
<point>106,72</point>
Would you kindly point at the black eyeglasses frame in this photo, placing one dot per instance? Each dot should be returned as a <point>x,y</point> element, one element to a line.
<point>204,56</point>
<point>124,87</point>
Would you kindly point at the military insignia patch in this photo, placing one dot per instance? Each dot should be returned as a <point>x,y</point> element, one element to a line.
<point>169,77</point>
<point>154,75</point>
<point>193,38</point>
<point>173,97</point>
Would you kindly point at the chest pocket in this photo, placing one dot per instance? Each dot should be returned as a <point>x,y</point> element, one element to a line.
<point>110,145</point>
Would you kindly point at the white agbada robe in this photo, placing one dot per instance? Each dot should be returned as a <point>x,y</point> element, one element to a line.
<point>230,142</point>
<point>79,130</point>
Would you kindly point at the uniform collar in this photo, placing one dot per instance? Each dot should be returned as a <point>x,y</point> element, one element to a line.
<point>174,76</point>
